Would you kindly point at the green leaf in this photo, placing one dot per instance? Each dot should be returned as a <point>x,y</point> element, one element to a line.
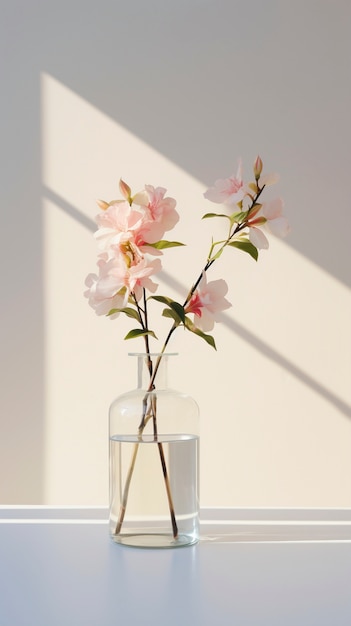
<point>178,309</point>
<point>193,329</point>
<point>172,314</point>
<point>238,217</point>
<point>139,332</point>
<point>246,246</point>
<point>174,306</point>
<point>163,244</point>
<point>208,338</point>
<point>215,215</point>
<point>162,299</point>
<point>217,255</point>
<point>127,310</point>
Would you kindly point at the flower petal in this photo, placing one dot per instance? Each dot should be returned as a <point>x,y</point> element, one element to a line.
<point>269,179</point>
<point>279,227</point>
<point>258,238</point>
<point>273,209</point>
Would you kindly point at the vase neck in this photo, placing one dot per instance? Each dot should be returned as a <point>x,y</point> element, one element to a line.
<point>153,366</point>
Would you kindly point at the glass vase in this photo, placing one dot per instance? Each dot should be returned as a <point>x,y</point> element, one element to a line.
<point>154,462</point>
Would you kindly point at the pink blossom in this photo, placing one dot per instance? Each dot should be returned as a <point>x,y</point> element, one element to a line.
<point>137,277</point>
<point>117,280</point>
<point>119,223</point>
<point>101,297</point>
<point>132,277</point>
<point>123,223</point>
<point>161,215</point>
<point>207,302</point>
<point>227,190</point>
<point>269,217</point>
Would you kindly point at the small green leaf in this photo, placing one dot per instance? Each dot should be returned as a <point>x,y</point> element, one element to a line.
<point>139,332</point>
<point>255,208</point>
<point>127,310</point>
<point>246,246</point>
<point>163,244</point>
<point>215,215</point>
<point>217,255</point>
<point>238,217</point>
<point>193,329</point>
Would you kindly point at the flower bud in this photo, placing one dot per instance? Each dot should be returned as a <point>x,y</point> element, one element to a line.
<point>125,190</point>
<point>258,167</point>
<point>254,210</point>
<point>102,204</point>
<point>259,221</point>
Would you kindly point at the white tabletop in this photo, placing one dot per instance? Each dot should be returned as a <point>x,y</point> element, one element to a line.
<point>58,567</point>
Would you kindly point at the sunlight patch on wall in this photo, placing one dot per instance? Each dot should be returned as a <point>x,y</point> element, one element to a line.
<point>272,418</point>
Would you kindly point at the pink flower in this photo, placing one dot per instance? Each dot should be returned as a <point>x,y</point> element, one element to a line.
<point>269,217</point>
<point>117,280</point>
<point>119,223</point>
<point>161,215</point>
<point>122,223</point>
<point>207,302</point>
<point>103,297</point>
<point>227,190</point>
<point>137,277</point>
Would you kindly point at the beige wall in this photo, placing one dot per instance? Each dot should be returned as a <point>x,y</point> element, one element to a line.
<point>172,95</point>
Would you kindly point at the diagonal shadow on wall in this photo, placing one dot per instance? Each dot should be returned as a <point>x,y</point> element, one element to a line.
<point>254,341</point>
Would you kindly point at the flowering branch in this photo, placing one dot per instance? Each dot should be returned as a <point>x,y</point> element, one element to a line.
<point>130,238</point>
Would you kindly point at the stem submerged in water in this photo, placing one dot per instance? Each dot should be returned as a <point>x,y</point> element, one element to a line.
<point>148,414</point>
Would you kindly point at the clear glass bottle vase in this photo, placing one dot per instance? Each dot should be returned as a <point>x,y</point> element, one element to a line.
<point>154,462</point>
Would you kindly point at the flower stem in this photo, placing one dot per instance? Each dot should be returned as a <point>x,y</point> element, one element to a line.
<point>143,318</point>
<point>126,489</point>
<point>168,490</point>
<point>210,260</point>
<point>164,470</point>
<point>146,415</point>
<point>145,418</point>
